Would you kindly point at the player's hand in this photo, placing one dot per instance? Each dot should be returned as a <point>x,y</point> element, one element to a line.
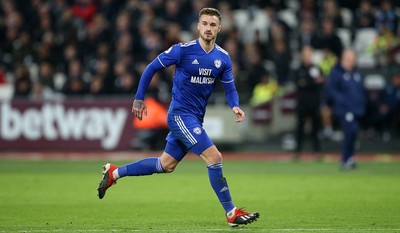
<point>139,108</point>
<point>239,114</point>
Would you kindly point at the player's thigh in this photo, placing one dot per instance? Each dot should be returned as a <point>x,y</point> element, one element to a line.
<point>188,131</point>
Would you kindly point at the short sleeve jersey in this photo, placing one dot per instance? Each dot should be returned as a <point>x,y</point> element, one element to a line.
<point>195,76</point>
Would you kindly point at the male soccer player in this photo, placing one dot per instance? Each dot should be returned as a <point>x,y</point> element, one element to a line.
<point>199,64</point>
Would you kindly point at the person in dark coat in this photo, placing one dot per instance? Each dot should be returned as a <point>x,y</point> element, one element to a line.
<point>346,89</point>
<point>309,80</point>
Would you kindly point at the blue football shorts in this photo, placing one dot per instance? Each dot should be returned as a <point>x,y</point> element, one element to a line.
<point>186,134</point>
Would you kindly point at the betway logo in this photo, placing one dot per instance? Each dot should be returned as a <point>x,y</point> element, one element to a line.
<point>54,122</point>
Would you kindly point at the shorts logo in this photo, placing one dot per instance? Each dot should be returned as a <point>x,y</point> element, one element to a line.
<point>197,130</point>
<point>217,63</point>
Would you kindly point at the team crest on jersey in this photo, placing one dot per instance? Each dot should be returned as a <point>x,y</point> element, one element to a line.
<point>197,130</point>
<point>217,63</point>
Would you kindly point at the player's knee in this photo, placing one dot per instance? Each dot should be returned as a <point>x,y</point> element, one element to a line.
<point>216,157</point>
<point>168,168</point>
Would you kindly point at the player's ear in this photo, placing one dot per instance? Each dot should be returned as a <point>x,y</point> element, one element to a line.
<point>198,26</point>
<point>219,28</point>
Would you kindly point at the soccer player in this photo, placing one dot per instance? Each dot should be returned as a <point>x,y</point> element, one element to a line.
<point>199,64</point>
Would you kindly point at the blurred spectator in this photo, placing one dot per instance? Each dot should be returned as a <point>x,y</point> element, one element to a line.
<point>307,35</point>
<point>97,85</point>
<point>97,32</point>
<point>383,112</point>
<point>173,12</point>
<point>126,84</point>
<point>331,11</point>
<point>328,38</point>
<point>47,48</point>
<point>84,10</point>
<point>22,82</point>
<point>46,74</point>
<point>281,57</point>
<point>278,30</point>
<point>75,84</point>
<point>386,17</point>
<point>70,53</point>
<point>383,43</point>
<point>328,61</point>
<point>309,9</point>
<point>103,70</point>
<point>172,35</point>
<point>253,64</point>
<point>364,16</point>
<point>109,8</point>
<point>309,80</point>
<point>265,90</point>
<point>22,49</point>
<point>346,89</point>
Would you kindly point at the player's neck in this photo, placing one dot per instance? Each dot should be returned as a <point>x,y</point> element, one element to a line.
<point>207,45</point>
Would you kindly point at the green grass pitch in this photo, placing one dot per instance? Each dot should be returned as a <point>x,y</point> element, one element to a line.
<point>61,196</point>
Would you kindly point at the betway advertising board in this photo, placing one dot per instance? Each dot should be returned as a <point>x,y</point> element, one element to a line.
<point>94,124</point>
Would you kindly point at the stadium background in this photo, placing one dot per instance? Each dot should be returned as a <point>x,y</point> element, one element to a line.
<point>69,69</point>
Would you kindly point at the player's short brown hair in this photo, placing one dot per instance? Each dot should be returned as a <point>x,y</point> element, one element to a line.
<point>210,11</point>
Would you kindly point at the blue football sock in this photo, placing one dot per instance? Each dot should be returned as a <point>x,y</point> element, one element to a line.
<point>142,167</point>
<point>220,186</point>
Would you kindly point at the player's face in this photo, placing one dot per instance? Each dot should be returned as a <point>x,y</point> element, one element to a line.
<point>208,27</point>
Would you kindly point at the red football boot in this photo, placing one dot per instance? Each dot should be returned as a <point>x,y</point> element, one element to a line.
<point>240,217</point>
<point>107,180</point>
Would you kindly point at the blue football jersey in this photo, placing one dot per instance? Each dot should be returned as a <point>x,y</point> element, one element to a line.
<point>195,76</point>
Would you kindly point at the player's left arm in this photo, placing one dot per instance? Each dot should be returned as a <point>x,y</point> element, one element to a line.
<point>233,100</point>
<point>231,94</point>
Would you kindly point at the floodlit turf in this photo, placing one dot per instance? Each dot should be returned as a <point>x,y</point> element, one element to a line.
<point>60,196</point>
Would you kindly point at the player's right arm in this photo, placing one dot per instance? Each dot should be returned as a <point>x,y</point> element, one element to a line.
<point>169,57</point>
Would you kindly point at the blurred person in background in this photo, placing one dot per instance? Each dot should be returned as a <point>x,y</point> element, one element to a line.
<point>328,39</point>
<point>345,88</point>
<point>199,64</point>
<point>364,16</point>
<point>75,84</point>
<point>309,9</point>
<point>281,57</point>
<point>330,10</point>
<point>253,63</point>
<point>125,83</point>
<point>22,82</point>
<point>383,43</point>
<point>386,16</point>
<point>383,109</point>
<point>265,90</point>
<point>46,74</point>
<point>309,80</point>
<point>307,35</point>
<point>84,10</point>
